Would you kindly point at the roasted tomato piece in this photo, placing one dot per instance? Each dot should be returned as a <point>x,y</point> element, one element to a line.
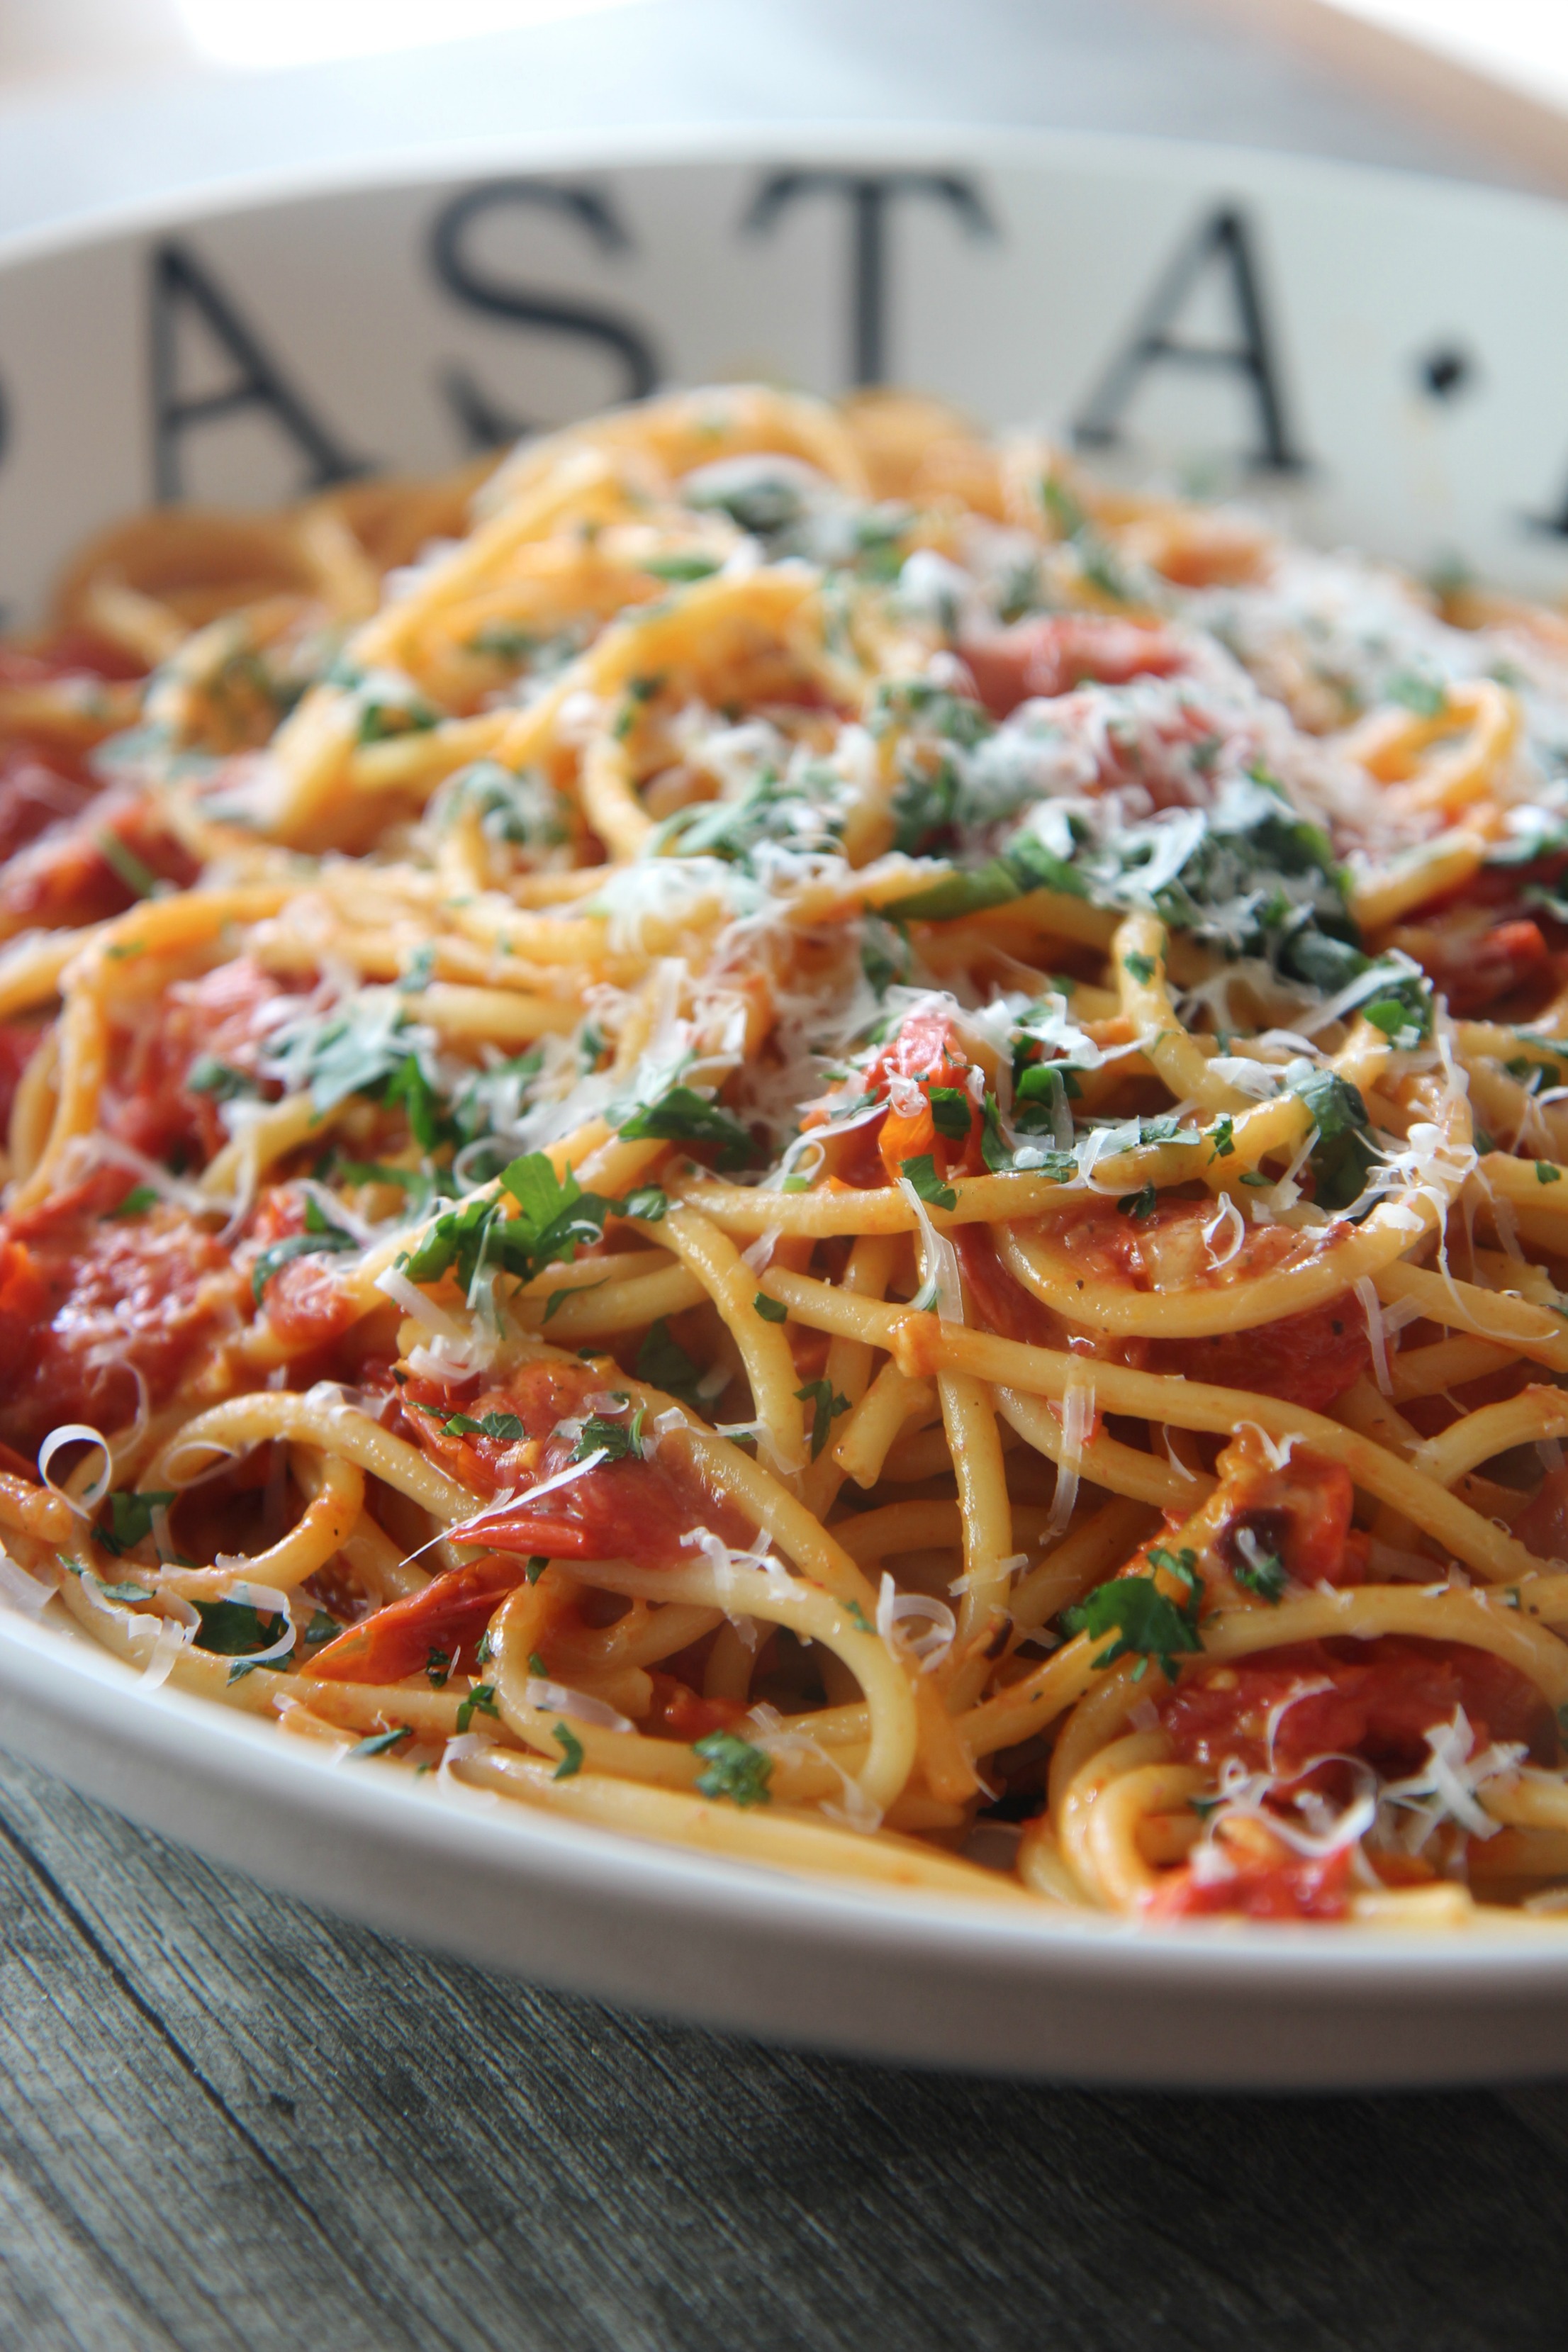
<point>1308,1359</point>
<point>636,1505</point>
<point>221,1018</point>
<point>303,1299</point>
<point>1052,652</point>
<point>68,653</point>
<point>681,1713</point>
<point>1262,1886</point>
<point>1478,969</point>
<point>443,1622</point>
<point>1299,1514</point>
<point>89,1300</point>
<point>90,870</point>
<point>923,1053</point>
<point>1373,1699</point>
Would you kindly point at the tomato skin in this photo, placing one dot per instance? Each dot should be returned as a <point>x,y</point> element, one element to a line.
<point>1378,1700</point>
<point>1543,1526</point>
<point>63,878</point>
<point>1293,1887</point>
<point>1308,1359</point>
<point>224,1014</point>
<point>68,653</point>
<point>634,1509</point>
<point>304,1302</point>
<point>681,1713</point>
<point>89,1301</point>
<point>1005,1306</point>
<point>1476,971</point>
<point>1050,654</point>
<point>450,1615</point>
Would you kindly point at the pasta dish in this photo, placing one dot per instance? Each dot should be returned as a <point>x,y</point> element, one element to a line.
<point>782,1130</point>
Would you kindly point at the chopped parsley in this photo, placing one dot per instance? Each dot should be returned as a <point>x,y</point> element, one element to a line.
<point>664,1364</point>
<point>134,871</point>
<point>221,1080</point>
<point>681,567</point>
<point>504,1427</point>
<point>640,692</point>
<point>618,1439</point>
<point>380,1742</point>
<point>827,1405</point>
<point>1426,697</point>
<point>131,1519</point>
<point>921,1174</point>
<point>1343,1155</point>
<point>950,1111</point>
<point>1140,1205</point>
<point>771,1311</point>
<point>1266,1576</point>
<point>555,1218</point>
<point>1142,967</point>
<point>570,1762</point>
<point>682,1115</point>
<point>1147,1623</point>
<point>735,1769</point>
<point>137,1202</point>
<point>481,1700</point>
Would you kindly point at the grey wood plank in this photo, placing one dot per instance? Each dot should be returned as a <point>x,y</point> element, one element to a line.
<point>219,2110</point>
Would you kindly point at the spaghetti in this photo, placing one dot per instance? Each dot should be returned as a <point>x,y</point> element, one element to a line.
<point>786,1131</point>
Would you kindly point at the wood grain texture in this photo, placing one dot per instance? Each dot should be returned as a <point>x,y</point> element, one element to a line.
<point>228,2122</point>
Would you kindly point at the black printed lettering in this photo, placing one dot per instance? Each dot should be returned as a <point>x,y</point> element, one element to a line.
<point>869,197</point>
<point>485,423</point>
<point>1222,242</point>
<point>184,286</point>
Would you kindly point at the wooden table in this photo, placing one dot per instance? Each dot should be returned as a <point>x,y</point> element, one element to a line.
<point>225,2121</point>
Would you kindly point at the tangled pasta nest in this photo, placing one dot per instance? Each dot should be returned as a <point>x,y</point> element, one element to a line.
<point>786,1131</point>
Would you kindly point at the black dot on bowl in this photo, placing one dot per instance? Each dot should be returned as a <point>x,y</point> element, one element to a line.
<point>1445,371</point>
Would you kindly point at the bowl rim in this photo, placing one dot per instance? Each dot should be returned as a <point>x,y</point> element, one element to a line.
<point>170,1733</point>
<point>217,196</point>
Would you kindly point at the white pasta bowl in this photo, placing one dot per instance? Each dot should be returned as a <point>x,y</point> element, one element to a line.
<point>1374,356</point>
